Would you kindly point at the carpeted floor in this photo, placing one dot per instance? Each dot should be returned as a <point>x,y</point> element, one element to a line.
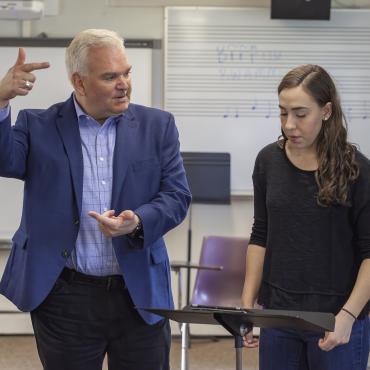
<point>19,353</point>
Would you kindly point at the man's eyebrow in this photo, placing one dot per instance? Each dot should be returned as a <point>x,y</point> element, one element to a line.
<point>117,73</point>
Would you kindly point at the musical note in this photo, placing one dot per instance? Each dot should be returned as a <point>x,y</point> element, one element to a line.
<point>231,113</point>
<point>268,114</point>
<point>254,105</point>
<point>366,109</point>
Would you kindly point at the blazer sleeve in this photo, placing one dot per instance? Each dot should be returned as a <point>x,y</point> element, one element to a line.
<point>14,147</point>
<point>169,207</point>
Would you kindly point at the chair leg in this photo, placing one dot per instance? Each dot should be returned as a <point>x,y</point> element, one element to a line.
<point>184,346</point>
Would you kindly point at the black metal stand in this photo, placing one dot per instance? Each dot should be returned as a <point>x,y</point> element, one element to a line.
<point>239,322</point>
<point>237,333</point>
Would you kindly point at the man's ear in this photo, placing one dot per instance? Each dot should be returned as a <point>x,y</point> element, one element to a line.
<point>78,84</point>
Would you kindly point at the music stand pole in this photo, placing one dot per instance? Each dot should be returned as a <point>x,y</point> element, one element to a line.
<point>238,352</point>
<point>237,330</point>
<point>188,257</point>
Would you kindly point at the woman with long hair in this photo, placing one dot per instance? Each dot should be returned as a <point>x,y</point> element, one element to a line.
<point>310,243</point>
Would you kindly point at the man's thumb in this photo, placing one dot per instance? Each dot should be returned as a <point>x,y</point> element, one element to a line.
<point>21,57</point>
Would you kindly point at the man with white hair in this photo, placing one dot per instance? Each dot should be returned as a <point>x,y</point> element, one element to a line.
<point>104,181</point>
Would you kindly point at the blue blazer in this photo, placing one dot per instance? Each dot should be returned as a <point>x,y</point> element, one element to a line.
<point>44,150</point>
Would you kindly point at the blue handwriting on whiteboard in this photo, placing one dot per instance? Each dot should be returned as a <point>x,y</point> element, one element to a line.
<point>248,53</point>
<point>246,73</point>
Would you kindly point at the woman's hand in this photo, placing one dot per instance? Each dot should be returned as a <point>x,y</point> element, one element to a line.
<point>341,333</point>
<point>249,341</point>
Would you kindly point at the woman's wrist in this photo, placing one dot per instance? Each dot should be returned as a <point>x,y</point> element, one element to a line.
<point>348,312</point>
<point>247,303</point>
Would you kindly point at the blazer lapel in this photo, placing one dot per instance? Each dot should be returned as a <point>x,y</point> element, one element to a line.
<point>67,125</point>
<point>125,144</point>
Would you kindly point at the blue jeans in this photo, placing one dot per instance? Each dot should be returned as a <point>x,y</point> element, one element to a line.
<point>299,350</point>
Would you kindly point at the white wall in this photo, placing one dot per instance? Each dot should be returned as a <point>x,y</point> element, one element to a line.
<point>131,21</point>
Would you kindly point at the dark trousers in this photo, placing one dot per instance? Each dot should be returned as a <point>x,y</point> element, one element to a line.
<point>299,350</point>
<point>84,318</point>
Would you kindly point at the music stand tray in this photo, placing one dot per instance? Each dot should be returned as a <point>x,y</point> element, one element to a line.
<point>239,321</point>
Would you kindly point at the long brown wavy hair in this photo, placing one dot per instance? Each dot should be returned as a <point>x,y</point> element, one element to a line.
<point>337,166</point>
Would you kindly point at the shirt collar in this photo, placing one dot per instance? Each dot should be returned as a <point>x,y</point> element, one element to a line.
<point>81,114</point>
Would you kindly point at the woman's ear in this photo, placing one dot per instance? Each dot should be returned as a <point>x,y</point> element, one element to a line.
<point>327,111</point>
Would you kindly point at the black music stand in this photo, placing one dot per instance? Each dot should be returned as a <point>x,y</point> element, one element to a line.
<point>239,322</point>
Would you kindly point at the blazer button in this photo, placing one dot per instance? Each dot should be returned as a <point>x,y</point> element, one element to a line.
<point>65,253</point>
<point>77,222</point>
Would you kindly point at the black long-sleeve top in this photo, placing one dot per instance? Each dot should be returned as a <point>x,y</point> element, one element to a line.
<point>313,253</point>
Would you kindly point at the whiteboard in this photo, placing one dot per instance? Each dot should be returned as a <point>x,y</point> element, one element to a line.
<point>52,86</point>
<point>223,66</point>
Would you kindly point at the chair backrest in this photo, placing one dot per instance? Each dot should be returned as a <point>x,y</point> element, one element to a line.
<point>224,287</point>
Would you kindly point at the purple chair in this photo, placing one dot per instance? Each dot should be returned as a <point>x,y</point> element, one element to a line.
<point>223,287</point>
<point>219,280</point>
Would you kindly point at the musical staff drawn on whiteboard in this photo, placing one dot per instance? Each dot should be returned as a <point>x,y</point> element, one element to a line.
<point>223,67</point>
